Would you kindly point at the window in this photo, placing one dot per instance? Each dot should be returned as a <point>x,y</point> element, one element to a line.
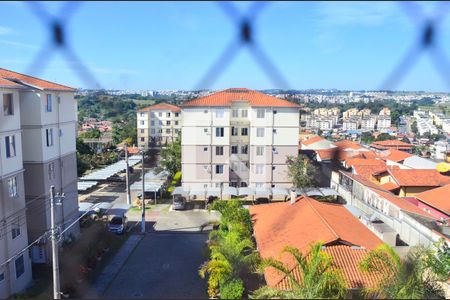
<point>244,149</point>
<point>142,114</point>
<point>168,123</point>
<point>244,131</point>
<point>20,266</point>
<point>234,184</point>
<point>10,142</point>
<point>153,131</point>
<point>2,277</point>
<point>48,107</point>
<point>260,132</point>
<point>176,122</point>
<point>259,169</point>
<point>176,115</point>
<point>49,134</point>
<point>15,228</point>
<point>177,130</point>
<point>219,131</point>
<point>205,149</point>
<point>219,169</point>
<point>142,139</point>
<point>142,122</point>
<point>160,123</point>
<point>152,114</point>
<point>243,184</point>
<point>234,131</point>
<point>275,131</point>
<point>259,150</point>
<point>8,104</point>
<point>235,113</point>
<point>244,113</point>
<point>152,123</point>
<point>12,187</point>
<point>160,114</point>
<point>259,184</point>
<point>205,130</point>
<point>160,130</point>
<point>168,114</point>
<point>219,113</point>
<point>260,113</point>
<point>51,171</point>
<point>167,131</point>
<point>219,150</point>
<point>234,149</point>
<point>205,111</point>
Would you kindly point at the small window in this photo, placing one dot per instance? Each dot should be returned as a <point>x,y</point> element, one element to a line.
<point>152,123</point>
<point>244,131</point>
<point>167,131</point>
<point>168,114</point>
<point>2,277</point>
<point>260,132</point>
<point>160,114</point>
<point>234,131</point>
<point>153,131</point>
<point>260,113</point>
<point>142,130</point>
<point>8,105</point>
<point>243,184</point>
<point>219,131</point>
<point>12,187</point>
<point>167,123</point>
<point>235,113</point>
<point>142,114</point>
<point>142,139</point>
<point>274,131</point>
<point>205,149</point>
<point>176,115</point>
<point>49,134</point>
<point>219,169</point>
<point>160,123</point>
<point>15,228</point>
<point>220,113</point>
<point>244,113</point>
<point>51,171</point>
<point>176,123</point>
<point>234,184</point>
<point>160,130</point>
<point>10,143</point>
<point>205,130</point>
<point>259,169</point>
<point>142,122</point>
<point>259,150</point>
<point>48,106</point>
<point>234,149</point>
<point>205,111</point>
<point>244,149</point>
<point>219,150</point>
<point>20,266</point>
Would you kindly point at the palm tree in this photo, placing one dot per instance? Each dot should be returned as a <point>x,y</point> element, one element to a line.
<point>408,278</point>
<point>232,254</point>
<point>318,278</point>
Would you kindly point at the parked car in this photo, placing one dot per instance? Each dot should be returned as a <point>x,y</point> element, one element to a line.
<point>179,203</point>
<point>117,224</point>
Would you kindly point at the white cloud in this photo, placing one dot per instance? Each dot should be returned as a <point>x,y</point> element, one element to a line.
<point>18,44</point>
<point>6,30</point>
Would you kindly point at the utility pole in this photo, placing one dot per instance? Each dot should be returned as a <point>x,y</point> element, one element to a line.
<point>55,254</point>
<point>143,195</point>
<point>127,176</point>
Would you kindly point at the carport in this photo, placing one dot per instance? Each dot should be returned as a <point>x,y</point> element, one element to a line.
<point>229,191</point>
<point>148,187</point>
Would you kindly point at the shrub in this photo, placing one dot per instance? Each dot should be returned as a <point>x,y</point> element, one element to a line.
<point>232,289</point>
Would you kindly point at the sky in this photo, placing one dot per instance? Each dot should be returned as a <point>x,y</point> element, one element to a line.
<point>172,45</point>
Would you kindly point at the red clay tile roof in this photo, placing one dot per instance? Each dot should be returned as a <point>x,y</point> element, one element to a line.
<point>364,162</point>
<point>346,259</point>
<point>394,155</point>
<point>438,198</point>
<point>416,177</point>
<point>227,97</point>
<point>9,84</point>
<point>161,106</point>
<point>368,171</point>
<point>389,144</point>
<point>277,225</point>
<point>312,140</point>
<point>26,81</point>
<point>389,186</point>
<point>344,144</point>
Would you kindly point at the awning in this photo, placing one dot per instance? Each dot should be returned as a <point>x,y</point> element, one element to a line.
<point>229,190</point>
<point>148,186</point>
<point>197,192</point>
<point>264,192</point>
<point>212,191</point>
<point>280,191</point>
<point>179,190</point>
<point>246,191</point>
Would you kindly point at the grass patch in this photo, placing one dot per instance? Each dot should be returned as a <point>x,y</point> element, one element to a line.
<point>137,208</point>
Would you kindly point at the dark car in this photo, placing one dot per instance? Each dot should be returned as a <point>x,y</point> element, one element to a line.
<point>179,203</point>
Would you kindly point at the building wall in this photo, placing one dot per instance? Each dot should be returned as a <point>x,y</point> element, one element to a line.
<point>157,132</point>
<point>413,190</point>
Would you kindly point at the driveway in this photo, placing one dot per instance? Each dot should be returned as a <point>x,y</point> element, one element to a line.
<point>165,263</point>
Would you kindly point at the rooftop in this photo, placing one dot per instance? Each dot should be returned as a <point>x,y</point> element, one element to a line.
<point>394,155</point>
<point>161,106</point>
<point>417,177</point>
<point>17,80</point>
<point>438,198</point>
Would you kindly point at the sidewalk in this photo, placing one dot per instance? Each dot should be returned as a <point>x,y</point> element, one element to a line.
<point>101,283</point>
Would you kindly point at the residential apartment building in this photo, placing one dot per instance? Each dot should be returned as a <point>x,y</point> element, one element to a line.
<point>16,275</point>
<point>368,122</point>
<point>238,137</point>
<point>349,112</point>
<point>158,125</point>
<point>47,113</point>
<point>384,122</point>
<point>385,112</point>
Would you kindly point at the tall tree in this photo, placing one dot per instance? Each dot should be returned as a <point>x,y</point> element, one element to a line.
<point>301,171</point>
<point>318,277</point>
<point>171,157</point>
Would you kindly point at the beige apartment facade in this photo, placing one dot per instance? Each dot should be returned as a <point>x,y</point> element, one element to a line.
<point>158,125</point>
<point>239,138</point>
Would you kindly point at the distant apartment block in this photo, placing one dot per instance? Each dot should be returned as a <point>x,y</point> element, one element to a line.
<point>385,112</point>
<point>158,125</point>
<point>383,122</point>
<point>240,138</point>
<point>368,122</point>
<point>37,147</point>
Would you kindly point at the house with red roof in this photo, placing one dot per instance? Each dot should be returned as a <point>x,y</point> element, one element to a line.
<point>391,144</point>
<point>436,201</point>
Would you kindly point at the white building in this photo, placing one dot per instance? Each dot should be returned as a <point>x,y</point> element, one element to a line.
<point>37,148</point>
<point>238,137</point>
<point>158,125</point>
<point>384,122</point>
<point>368,122</point>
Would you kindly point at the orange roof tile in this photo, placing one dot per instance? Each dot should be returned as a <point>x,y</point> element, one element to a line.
<point>347,260</point>
<point>312,140</point>
<point>389,144</point>
<point>368,171</point>
<point>9,84</point>
<point>438,198</point>
<point>228,96</point>
<point>26,81</point>
<point>389,186</point>
<point>344,144</point>
<point>417,177</point>
<point>394,155</point>
<point>364,162</point>
<point>277,225</point>
<point>161,106</point>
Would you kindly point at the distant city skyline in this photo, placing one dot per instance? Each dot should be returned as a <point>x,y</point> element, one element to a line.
<point>170,46</point>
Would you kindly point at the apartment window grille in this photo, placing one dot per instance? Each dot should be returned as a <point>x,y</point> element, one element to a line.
<point>49,103</point>
<point>244,113</point>
<point>220,113</point>
<point>260,132</point>
<point>15,228</point>
<point>49,135</point>
<point>167,123</point>
<point>219,131</point>
<point>244,149</point>
<point>244,131</point>
<point>8,104</point>
<point>12,187</point>
<point>259,169</point>
<point>51,171</point>
<point>19,266</point>
<point>219,169</point>
<point>259,150</point>
<point>219,150</point>
<point>234,131</point>
<point>234,149</point>
<point>260,113</point>
<point>10,143</point>
<point>235,113</point>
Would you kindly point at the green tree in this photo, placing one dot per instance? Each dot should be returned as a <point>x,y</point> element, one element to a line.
<point>318,277</point>
<point>92,133</point>
<point>301,171</point>
<point>409,278</point>
<point>384,136</point>
<point>414,128</point>
<point>171,157</point>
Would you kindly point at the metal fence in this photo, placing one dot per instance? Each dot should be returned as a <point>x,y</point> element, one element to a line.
<point>426,43</point>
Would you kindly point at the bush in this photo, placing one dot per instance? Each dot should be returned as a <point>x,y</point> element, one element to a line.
<point>232,289</point>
